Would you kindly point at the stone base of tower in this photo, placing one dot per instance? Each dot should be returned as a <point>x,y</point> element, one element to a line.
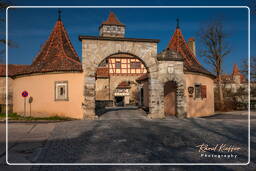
<point>90,116</point>
<point>89,113</point>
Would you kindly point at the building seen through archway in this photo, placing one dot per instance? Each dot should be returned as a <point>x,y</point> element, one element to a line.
<point>116,83</point>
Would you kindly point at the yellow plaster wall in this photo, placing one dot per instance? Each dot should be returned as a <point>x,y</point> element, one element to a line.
<point>42,89</point>
<point>199,106</point>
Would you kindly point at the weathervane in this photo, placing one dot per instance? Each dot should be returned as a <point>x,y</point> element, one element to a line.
<point>178,23</point>
<point>59,14</point>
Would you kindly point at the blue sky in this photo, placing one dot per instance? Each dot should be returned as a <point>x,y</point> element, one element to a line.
<point>30,28</point>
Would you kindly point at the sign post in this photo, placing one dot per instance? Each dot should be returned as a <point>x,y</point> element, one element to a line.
<point>30,100</point>
<point>25,95</point>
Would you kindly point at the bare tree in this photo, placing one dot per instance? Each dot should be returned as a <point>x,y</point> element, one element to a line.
<point>253,68</point>
<point>252,5</point>
<point>3,6</point>
<point>214,49</point>
<point>245,68</point>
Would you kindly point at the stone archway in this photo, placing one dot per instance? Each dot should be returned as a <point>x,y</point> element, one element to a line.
<point>95,51</point>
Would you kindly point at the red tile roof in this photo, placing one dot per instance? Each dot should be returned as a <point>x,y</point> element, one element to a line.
<point>112,20</point>
<point>124,84</point>
<point>13,69</point>
<point>178,44</point>
<point>191,39</point>
<point>235,70</point>
<point>102,72</point>
<point>57,54</point>
<point>225,78</point>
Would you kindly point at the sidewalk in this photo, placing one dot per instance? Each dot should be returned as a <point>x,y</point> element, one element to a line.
<point>25,141</point>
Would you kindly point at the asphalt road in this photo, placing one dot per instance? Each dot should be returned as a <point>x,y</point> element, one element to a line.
<point>127,136</point>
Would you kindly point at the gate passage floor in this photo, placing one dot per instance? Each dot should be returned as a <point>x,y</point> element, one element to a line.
<point>126,135</point>
<point>131,112</point>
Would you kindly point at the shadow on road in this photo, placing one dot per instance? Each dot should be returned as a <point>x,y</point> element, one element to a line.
<point>142,141</point>
<point>229,116</point>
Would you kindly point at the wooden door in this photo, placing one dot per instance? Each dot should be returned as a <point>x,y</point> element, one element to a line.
<point>170,98</point>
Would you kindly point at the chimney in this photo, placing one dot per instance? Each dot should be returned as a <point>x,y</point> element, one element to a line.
<point>192,45</point>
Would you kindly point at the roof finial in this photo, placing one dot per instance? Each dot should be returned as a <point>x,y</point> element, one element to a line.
<point>178,23</point>
<point>59,14</point>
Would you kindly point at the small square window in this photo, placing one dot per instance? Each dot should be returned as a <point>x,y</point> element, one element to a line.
<point>135,65</point>
<point>61,90</point>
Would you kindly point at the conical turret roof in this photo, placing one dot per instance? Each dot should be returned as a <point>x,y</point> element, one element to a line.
<point>57,54</point>
<point>112,20</point>
<point>235,70</point>
<point>179,45</point>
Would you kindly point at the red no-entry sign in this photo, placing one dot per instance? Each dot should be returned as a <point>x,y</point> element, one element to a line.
<point>24,94</point>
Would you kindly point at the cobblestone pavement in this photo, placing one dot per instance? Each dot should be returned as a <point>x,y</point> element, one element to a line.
<point>127,136</point>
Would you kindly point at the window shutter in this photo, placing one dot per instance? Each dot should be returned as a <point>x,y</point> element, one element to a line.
<point>203,91</point>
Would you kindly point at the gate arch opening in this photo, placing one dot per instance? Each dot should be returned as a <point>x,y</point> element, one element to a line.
<point>116,80</point>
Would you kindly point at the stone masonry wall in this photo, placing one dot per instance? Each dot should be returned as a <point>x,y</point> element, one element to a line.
<point>3,94</point>
<point>94,51</point>
<point>168,71</point>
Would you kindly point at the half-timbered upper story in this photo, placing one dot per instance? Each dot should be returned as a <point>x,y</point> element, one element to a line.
<point>121,65</point>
